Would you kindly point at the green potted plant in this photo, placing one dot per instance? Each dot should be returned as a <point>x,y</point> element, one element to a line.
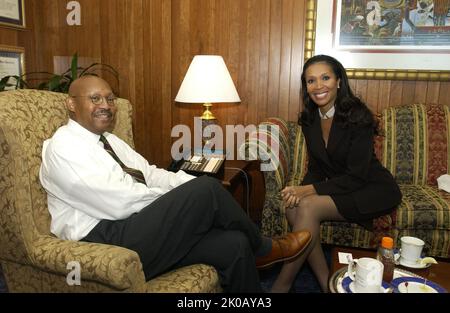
<point>56,82</point>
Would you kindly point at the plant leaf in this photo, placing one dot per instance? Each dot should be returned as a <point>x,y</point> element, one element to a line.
<point>18,81</point>
<point>64,87</point>
<point>55,81</point>
<point>17,84</point>
<point>4,82</point>
<point>21,83</point>
<point>102,66</point>
<point>43,86</point>
<point>74,66</point>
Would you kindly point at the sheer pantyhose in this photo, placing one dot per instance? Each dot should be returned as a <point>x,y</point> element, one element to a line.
<point>307,215</point>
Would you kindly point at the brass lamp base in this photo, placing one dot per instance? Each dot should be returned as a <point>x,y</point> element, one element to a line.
<point>207,114</point>
<point>207,119</point>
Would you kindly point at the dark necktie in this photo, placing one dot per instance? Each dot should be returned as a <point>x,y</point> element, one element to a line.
<point>137,174</point>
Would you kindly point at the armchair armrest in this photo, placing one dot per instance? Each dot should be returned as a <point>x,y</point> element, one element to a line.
<point>270,144</point>
<point>288,149</point>
<point>111,265</point>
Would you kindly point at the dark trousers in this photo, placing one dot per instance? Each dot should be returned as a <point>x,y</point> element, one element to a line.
<point>197,222</point>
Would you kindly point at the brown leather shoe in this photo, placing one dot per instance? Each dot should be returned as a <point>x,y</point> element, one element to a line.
<point>285,248</point>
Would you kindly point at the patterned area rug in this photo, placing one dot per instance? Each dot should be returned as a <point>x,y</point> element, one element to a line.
<point>305,282</point>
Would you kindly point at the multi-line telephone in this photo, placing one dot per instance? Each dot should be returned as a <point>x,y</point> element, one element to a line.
<point>200,164</point>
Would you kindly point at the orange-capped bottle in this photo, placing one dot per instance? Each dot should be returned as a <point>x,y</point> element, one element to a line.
<point>386,256</point>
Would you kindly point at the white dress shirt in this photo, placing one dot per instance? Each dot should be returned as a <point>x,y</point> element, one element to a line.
<point>85,184</point>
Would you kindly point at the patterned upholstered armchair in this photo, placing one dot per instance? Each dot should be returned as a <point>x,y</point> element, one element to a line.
<point>33,260</point>
<point>414,147</point>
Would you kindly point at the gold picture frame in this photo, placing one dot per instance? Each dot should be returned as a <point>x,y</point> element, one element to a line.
<point>319,39</point>
<point>12,13</point>
<point>12,62</point>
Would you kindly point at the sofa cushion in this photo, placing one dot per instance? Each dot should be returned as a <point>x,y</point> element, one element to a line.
<point>424,213</point>
<point>423,207</point>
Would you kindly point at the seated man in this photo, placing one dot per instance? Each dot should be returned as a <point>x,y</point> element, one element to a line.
<point>100,190</point>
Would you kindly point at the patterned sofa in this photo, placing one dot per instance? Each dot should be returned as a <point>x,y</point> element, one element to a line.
<point>32,259</point>
<point>415,147</point>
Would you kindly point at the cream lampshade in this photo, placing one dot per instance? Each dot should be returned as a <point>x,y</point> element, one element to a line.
<point>207,81</point>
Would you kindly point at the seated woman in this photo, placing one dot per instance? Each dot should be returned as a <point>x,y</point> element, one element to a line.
<point>345,181</point>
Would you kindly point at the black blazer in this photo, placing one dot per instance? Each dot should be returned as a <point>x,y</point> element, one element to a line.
<point>348,165</point>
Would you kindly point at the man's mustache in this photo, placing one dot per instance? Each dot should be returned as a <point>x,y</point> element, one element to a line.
<point>107,112</point>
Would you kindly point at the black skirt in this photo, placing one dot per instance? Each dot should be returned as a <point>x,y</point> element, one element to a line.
<point>346,206</point>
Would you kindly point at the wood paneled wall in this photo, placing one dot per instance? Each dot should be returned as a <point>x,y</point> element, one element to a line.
<point>380,94</point>
<point>151,44</point>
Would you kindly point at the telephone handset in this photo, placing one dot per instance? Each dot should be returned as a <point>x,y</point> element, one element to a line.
<point>199,164</point>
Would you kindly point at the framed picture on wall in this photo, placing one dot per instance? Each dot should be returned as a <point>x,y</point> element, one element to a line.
<point>12,63</point>
<point>12,13</point>
<point>383,39</point>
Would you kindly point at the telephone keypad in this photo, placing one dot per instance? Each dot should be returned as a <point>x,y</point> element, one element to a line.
<point>201,164</point>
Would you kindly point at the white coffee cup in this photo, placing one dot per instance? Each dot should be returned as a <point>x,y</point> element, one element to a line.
<point>367,275</point>
<point>411,250</point>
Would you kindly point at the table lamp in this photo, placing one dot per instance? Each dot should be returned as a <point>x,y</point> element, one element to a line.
<point>207,81</point>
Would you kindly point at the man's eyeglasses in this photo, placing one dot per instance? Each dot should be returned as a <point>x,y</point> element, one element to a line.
<point>98,99</point>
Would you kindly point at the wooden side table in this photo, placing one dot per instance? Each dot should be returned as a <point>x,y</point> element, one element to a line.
<point>245,181</point>
<point>237,181</point>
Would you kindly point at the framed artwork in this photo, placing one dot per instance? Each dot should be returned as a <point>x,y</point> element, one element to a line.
<point>12,13</point>
<point>382,39</point>
<point>11,62</point>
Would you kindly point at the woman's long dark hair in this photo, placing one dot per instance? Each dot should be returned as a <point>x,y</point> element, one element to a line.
<point>350,110</point>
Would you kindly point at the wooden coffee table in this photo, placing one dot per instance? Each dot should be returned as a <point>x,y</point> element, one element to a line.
<point>438,273</point>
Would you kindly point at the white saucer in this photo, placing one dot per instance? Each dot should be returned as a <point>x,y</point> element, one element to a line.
<point>352,288</point>
<point>349,287</point>
<point>418,265</point>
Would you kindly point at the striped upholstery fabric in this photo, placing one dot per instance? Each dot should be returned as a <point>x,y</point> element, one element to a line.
<point>416,143</point>
<point>263,144</point>
<point>414,147</point>
<point>266,142</point>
